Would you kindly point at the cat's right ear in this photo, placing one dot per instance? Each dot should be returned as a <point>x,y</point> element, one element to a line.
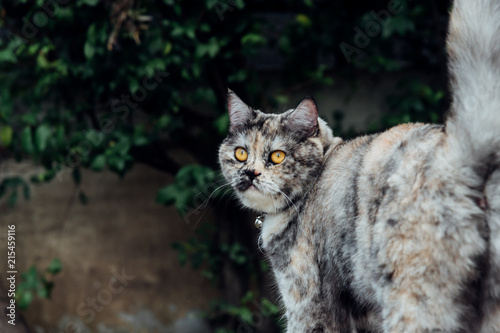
<point>303,121</point>
<point>239,113</point>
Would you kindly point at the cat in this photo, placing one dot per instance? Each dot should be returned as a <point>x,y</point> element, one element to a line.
<point>392,232</point>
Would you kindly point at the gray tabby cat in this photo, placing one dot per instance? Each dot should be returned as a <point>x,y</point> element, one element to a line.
<point>394,232</point>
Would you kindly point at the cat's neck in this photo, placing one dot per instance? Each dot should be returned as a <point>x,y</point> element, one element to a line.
<point>275,224</point>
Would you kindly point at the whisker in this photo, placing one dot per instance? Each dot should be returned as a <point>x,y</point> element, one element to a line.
<point>205,202</point>
<point>290,200</point>
<point>274,205</point>
<point>216,183</point>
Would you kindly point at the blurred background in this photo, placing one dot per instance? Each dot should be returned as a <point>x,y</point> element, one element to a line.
<point>111,113</point>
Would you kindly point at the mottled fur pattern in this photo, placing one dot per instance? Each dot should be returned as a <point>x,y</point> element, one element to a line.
<point>393,232</point>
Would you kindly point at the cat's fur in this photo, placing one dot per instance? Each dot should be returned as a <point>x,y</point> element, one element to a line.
<point>394,232</point>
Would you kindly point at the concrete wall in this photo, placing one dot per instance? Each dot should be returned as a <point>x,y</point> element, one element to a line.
<point>121,230</point>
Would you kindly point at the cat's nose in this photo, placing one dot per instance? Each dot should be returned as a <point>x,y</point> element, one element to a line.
<point>252,174</point>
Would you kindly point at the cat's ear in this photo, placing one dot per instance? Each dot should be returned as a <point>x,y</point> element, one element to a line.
<point>304,119</point>
<point>239,113</point>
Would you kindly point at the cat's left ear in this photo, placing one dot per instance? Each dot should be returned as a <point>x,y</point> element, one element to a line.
<point>304,119</point>
<point>239,113</point>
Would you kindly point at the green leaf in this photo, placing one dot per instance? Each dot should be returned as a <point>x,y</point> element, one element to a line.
<point>27,140</point>
<point>269,308</point>
<point>8,55</point>
<point>42,61</point>
<point>89,2</point>
<point>282,99</point>
<point>303,20</point>
<point>239,76</point>
<point>25,299</point>
<point>399,24</point>
<point>168,48</point>
<point>122,147</point>
<point>245,315</point>
<point>99,162</point>
<point>253,38</point>
<point>42,135</point>
<point>6,133</point>
<point>439,96</point>
<point>248,297</point>
<point>30,118</point>
<point>117,163</point>
<point>163,122</point>
<point>30,278</point>
<point>264,266</point>
<point>166,195</point>
<point>55,266</point>
<point>222,124</point>
<point>141,140</point>
<point>211,49</point>
<point>88,50</point>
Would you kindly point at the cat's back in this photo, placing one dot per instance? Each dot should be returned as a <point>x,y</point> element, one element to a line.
<point>362,166</point>
<point>384,176</point>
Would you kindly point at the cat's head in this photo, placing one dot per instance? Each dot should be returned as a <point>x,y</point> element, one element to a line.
<point>271,160</point>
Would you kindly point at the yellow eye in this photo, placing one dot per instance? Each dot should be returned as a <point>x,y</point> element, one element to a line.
<point>241,154</point>
<point>277,156</point>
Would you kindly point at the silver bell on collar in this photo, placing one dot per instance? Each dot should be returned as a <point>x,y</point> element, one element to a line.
<point>258,221</point>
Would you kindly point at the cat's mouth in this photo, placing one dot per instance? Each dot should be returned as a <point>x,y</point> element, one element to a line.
<point>253,194</point>
<point>246,185</point>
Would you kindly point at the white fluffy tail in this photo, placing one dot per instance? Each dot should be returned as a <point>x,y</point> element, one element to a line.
<point>473,125</point>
